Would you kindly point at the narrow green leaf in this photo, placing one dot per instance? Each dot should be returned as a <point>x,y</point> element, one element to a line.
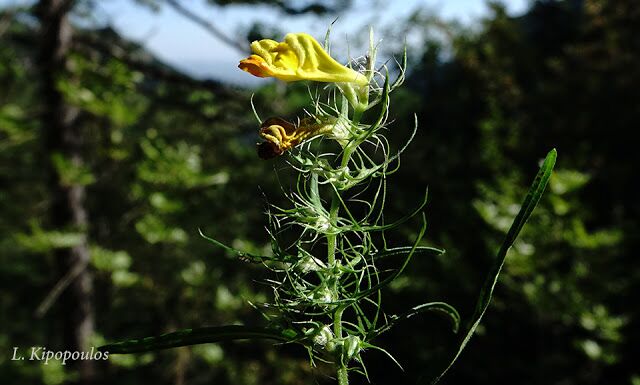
<point>399,221</point>
<point>426,250</point>
<point>384,110</point>
<point>239,254</point>
<point>197,336</point>
<point>441,307</point>
<point>403,68</point>
<point>375,347</point>
<point>531,200</point>
<point>397,273</point>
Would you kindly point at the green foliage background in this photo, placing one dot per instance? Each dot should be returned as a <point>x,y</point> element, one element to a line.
<point>168,155</point>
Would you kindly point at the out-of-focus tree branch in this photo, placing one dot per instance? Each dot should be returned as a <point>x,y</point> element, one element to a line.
<point>208,26</point>
<point>289,7</point>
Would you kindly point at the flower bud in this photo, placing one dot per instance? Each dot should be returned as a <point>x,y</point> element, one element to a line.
<point>351,347</point>
<point>323,336</point>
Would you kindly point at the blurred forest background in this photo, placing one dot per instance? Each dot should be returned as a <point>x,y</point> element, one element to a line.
<point>111,160</point>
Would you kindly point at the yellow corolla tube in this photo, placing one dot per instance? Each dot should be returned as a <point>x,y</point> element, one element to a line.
<point>298,57</point>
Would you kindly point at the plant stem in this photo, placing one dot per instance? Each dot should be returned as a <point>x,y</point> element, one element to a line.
<point>332,237</point>
<point>342,371</point>
<point>343,377</point>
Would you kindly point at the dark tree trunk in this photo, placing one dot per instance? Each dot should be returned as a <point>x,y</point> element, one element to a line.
<point>63,137</point>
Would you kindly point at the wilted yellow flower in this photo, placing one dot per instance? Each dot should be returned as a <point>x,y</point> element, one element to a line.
<point>280,135</point>
<point>299,57</point>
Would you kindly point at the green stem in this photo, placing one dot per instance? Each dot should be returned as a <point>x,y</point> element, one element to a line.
<point>343,377</point>
<point>332,237</point>
<point>350,148</point>
<point>342,371</point>
<point>363,97</point>
<point>337,322</point>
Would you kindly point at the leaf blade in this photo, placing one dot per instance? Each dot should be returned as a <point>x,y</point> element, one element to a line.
<point>530,202</point>
<point>441,307</point>
<point>196,336</point>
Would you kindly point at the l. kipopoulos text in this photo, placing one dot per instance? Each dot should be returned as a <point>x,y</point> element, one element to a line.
<point>41,353</point>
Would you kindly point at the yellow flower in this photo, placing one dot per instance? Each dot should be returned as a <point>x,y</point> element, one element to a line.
<point>280,135</point>
<point>299,57</point>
